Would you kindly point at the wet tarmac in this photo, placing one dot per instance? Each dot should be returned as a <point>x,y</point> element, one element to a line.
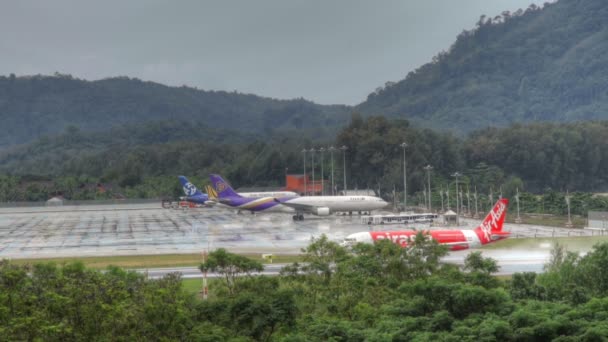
<point>102,230</point>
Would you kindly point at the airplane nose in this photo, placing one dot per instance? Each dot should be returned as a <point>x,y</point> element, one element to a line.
<point>384,204</point>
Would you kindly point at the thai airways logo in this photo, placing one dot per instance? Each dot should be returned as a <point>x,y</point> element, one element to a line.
<point>220,186</point>
<point>189,189</point>
<point>492,222</point>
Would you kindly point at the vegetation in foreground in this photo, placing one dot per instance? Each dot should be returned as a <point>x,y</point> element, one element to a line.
<point>377,292</point>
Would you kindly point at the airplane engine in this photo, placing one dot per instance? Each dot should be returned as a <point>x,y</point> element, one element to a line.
<point>322,211</point>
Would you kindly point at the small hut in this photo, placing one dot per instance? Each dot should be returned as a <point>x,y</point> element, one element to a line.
<point>56,201</point>
<point>450,218</point>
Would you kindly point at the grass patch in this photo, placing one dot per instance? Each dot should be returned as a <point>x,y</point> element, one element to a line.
<point>571,243</point>
<point>216,287</point>
<point>193,285</point>
<point>148,261</point>
<point>548,220</point>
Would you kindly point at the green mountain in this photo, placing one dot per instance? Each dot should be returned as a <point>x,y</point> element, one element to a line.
<point>548,64</point>
<point>34,106</point>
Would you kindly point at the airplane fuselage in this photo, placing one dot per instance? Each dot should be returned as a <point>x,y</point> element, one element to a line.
<point>263,194</point>
<point>490,230</point>
<point>456,240</point>
<point>341,203</point>
<point>262,204</point>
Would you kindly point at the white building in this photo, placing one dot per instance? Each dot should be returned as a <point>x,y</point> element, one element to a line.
<point>55,202</point>
<point>597,219</point>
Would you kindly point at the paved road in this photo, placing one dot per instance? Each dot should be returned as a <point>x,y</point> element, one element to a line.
<point>508,261</point>
<point>193,272</point>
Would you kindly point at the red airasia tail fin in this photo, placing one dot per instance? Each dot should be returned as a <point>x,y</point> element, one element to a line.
<point>491,228</point>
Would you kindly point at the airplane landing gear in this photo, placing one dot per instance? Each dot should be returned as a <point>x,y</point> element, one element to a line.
<point>298,217</point>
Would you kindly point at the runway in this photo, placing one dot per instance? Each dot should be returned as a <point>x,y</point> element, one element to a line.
<point>193,272</point>
<point>146,229</point>
<point>508,266</point>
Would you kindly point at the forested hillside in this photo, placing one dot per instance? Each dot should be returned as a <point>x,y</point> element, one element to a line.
<point>548,64</point>
<point>539,158</point>
<point>31,107</point>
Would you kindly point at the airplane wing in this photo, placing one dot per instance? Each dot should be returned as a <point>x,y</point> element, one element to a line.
<point>499,235</point>
<point>459,243</point>
<point>494,236</point>
<point>304,208</point>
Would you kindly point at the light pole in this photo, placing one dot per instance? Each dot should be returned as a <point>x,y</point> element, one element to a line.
<point>569,223</point>
<point>312,154</point>
<point>441,195</point>
<point>305,183</point>
<point>404,145</point>
<point>424,193</point>
<point>476,212</point>
<point>461,203</point>
<point>331,152</point>
<point>428,169</point>
<point>518,218</point>
<point>344,148</point>
<point>322,149</point>
<point>468,202</point>
<point>456,175</point>
<point>394,199</point>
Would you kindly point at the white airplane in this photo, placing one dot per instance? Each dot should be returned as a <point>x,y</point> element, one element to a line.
<point>326,205</point>
<point>316,205</point>
<point>268,194</point>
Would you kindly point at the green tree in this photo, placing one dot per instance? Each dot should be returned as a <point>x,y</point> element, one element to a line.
<point>230,266</point>
<point>481,270</point>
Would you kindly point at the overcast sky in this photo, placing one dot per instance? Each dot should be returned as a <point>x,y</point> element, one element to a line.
<point>322,50</point>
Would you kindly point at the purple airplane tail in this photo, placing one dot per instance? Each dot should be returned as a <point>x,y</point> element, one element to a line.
<point>222,187</point>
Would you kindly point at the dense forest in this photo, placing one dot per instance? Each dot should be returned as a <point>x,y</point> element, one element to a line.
<point>379,292</point>
<point>547,159</point>
<point>548,64</point>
